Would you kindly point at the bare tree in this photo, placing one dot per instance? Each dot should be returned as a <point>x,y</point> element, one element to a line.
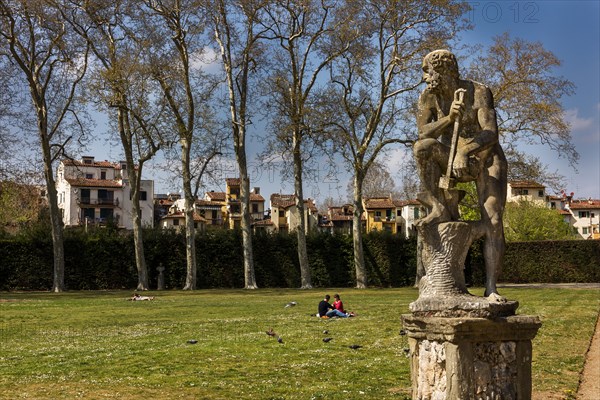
<point>378,182</point>
<point>51,62</point>
<point>177,37</point>
<point>527,94</point>
<point>302,33</point>
<point>373,86</point>
<point>123,85</point>
<point>238,34</point>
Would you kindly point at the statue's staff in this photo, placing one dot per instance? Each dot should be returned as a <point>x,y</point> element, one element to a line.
<point>446,181</point>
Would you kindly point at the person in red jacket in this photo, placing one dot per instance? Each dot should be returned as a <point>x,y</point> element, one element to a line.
<point>338,305</point>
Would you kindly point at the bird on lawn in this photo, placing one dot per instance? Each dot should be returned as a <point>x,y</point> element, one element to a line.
<point>355,346</point>
<point>402,332</point>
<point>280,340</point>
<point>327,339</point>
<point>290,304</point>
<point>325,332</point>
<point>192,341</point>
<point>271,332</point>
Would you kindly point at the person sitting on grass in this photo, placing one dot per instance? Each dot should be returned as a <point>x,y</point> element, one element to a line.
<point>326,310</point>
<point>338,305</point>
<point>137,297</point>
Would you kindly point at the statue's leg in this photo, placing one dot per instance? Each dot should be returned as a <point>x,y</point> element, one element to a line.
<point>491,189</point>
<point>430,155</point>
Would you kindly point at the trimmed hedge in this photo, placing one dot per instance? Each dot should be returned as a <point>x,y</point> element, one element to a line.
<point>106,261</point>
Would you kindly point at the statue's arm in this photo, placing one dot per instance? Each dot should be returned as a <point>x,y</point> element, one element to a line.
<point>427,123</point>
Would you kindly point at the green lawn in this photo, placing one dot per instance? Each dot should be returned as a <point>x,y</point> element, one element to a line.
<point>98,345</point>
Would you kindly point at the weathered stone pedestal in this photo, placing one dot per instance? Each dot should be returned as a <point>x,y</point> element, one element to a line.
<point>464,347</point>
<point>471,358</point>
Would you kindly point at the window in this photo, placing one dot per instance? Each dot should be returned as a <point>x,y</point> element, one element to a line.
<point>106,213</point>
<point>254,208</point>
<point>88,213</point>
<point>89,176</point>
<point>281,213</point>
<point>585,230</point>
<point>553,205</point>
<point>525,192</point>
<point>584,214</point>
<point>143,195</point>
<point>416,212</point>
<point>102,174</point>
<point>592,215</point>
<point>388,213</point>
<point>378,213</point>
<point>175,222</point>
<point>85,196</point>
<point>540,193</point>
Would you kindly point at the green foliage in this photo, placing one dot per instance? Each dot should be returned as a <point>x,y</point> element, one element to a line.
<point>102,259</point>
<point>469,206</point>
<point>552,261</point>
<point>526,220</point>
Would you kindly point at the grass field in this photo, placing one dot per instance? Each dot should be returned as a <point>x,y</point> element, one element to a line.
<point>97,345</point>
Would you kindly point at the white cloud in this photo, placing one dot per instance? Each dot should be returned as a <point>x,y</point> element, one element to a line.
<point>577,123</point>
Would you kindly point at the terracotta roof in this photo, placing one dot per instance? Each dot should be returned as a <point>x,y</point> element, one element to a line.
<point>311,205</point>
<point>216,196</point>
<point>563,212</point>
<point>179,215</point>
<point>283,200</point>
<point>256,197</point>
<point>403,203</point>
<point>379,203</point>
<point>233,181</point>
<point>82,182</point>
<point>584,204</point>
<point>338,217</point>
<point>164,202</point>
<point>525,184</point>
<point>101,164</point>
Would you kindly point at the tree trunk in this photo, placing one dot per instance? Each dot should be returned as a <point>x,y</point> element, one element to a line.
<point>56,222</point>
<point>190,236</point>
<point>138,241</point>
<point>58,284</point>
<point>305,276</point>
<point>357,239</point>
<point>249,278</point>
<point>135,176</point>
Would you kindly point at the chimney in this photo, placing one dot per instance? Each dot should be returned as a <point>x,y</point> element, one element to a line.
<point>256,190</point>
<point>87,160</point>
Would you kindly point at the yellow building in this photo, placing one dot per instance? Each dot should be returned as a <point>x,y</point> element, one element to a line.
<point>381,214</point>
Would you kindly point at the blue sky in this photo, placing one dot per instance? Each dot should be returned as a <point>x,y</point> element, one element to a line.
<point>570,29</point>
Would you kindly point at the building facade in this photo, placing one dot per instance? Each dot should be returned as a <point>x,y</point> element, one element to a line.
<point>285,216</point>
<point>94,192</point>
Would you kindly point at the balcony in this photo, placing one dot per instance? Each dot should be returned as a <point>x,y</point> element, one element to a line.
<point>98,202</point>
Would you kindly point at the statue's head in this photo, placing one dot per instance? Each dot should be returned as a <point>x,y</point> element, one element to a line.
<point>439,67</point>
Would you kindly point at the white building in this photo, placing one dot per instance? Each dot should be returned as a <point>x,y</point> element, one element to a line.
<point>407,213</point>
<point>526,191</point>
<point>96,192</point>
<point>585,217</point>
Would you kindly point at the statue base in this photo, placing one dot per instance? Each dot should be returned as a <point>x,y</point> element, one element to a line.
<point>470,358</point>
<point>464,305</point>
